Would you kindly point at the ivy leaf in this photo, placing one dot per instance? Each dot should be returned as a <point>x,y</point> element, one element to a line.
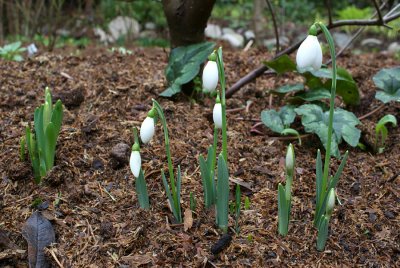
<point>184,64</point>
<point>315,120</point>
<point>278,121</point>
<point>389,81</point>
<point>281,64</point>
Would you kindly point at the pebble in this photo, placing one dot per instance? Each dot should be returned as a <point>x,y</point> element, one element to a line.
<point>120,154</point>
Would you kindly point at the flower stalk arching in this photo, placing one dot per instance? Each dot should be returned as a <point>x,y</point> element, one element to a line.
<point>173,192</point>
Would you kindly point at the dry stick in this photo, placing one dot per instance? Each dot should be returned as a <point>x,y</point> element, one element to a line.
<point>378,11</point>
<point>275,25</point>
<point>260,70</point>
<point>372,112</point>
<point>329,7</point>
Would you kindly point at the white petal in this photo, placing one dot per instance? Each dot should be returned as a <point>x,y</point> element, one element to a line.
<point>309,53</point>
<point>135,163</point>
<point>210,76</point>
<point>147,130</point>
<point>217,115</point>
<point>290,158</point>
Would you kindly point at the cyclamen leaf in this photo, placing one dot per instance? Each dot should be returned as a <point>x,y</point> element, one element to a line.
<point>39,234</point>
<point>184,64</point>
<point>278,121</point>
<point>389,81</point>
<point>315,120</point>
<point>281,64</point>
<point>289,88</point>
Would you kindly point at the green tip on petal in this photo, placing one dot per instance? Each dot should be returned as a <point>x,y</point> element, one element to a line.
<point>135,147</point>
<point>218,99</point>
<point>213,56</point>
<point>313,30</point>
<point>152,113</point>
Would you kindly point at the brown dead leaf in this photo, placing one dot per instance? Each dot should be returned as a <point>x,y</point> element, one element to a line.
<point>137,259</point>
<point>188,219</point>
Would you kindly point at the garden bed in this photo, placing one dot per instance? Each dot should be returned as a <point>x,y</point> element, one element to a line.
<point>98,222</point>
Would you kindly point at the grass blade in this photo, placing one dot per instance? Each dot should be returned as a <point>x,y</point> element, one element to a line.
<point>223,194</point>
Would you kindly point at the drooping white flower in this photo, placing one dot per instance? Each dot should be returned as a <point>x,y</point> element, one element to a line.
<point>210,76</point>
<point>331,202</point>
<point>290,159</point>
<point>135,162</point>
<point>309,54</point>
<point>147,129</point>
<point>217,115</point>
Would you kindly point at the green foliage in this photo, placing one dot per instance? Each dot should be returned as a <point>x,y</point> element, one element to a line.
<point>121,50</point>
<point>42,145</point>
<point>315,120</point>
<point>207,177</point>
<point>238,205</point>
<point>222,201</point>
<point>184,64</point>
<point>237,13</point>
<point>152,42</point>
<point>141,191</point>
<point>281,64</point>
<point>389,81</point>
<point>352,12</point>
<point>193,203</point>
<point>22,149</point>
<point>278,121</point>
<point>381,132</point>
<point>246,203</point>
<point>12,51</point>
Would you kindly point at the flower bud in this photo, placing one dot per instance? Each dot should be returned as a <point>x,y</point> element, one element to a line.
<point>210,76</point>
<point>290,158</point>
<point>135,163</point>
<point>330,202</point>
<point>147,129</point>
<point>217,115</point>
<point>309,54</point>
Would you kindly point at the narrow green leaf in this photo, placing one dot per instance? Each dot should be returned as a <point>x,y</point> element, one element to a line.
<point>178,194</point>
<point>192,202</point>
<point>322,233</point>
<point>291,131</point>
<point>205,178</point>
<point>335,180</point>
<point>319,178</point>
<point>22,149</point>
<point>222,194</point>
<point>50,146</point>
<point>57,116</point>
<point>168,193</point>
<point>283,211</point>
<point>39,132</point>
<point>381,129</point>
<point>141,191</point>
<point>33,154</point>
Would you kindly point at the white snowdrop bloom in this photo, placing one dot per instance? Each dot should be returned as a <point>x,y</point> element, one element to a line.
<point>290,158</point>
<point>147,129</point>
<point>309,54</point>
<point>217,115</point>
<point>135,163</point>
<point>331,202</point>
<point>210,76</point>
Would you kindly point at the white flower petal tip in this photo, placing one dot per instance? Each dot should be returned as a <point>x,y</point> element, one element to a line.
<point>210,76</point>
<point>290,158</point>
<point>309,54</point>
<point>147,130</point>
<point>217,115</point>
<point>135,163</point>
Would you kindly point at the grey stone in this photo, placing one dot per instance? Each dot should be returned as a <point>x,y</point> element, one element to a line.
<point>371,42</point>
<point>102,35</point>
<point>341,39</point>
<point>148,34</point>
<point>213,31</point>
<point>120,153</point>
<point>227,30</point>
<point>234,39</point>
<point>121,26</point>
<point>394,48</point>
<point>150,26</point>
<point>249,34</point>
<point>271,42</point>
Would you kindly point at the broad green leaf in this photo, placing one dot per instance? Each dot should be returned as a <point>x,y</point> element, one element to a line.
<point>184,64</point>
<point>289,88</point>
<point>281,64</point>
<point>141,191</point>
<point>222,194</point>
<point>312,95</point>
<point>315,120</point>
<point>389,81</point>
<point>278,121</point>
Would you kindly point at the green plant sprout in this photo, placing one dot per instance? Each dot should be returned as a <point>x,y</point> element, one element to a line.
<point>323,227</point>
<point>173,188</point>
<point>42,145</point>
<point>216,194</point>
<point>140,182</point>
<point>381,132</point>
<point>246,203</point>
<point>238,205</point>
<point>12,51</point>
<point>193,203</point>
<point>325,184</point>
<point>285,194</point>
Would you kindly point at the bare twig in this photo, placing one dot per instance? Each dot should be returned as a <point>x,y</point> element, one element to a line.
<point>271,10</point>
<point>260,70</point>
<point>378,11</point>
<point>329,7</point>
<point>372,112</point>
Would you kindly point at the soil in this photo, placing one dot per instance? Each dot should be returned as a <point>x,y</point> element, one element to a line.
<point>97,220</point>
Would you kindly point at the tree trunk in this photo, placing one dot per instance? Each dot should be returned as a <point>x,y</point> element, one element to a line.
<point>187,20</point>
<point>259,21</point>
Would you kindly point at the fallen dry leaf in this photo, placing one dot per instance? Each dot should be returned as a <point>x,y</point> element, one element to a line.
<point>188,219</point>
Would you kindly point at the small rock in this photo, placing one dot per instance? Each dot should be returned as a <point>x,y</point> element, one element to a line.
<point>123,25</point>
<point>341,39</point>
<point>271,43</point>
<point>271,255</point>
<point>234,39</point>
<point>249,34</point>
<point>97,164</point>
<point>355,188</point>
<point>90,123</point>
<point>102,35</point>
<point>106,230</point>
<point>70,98</point>
<point>372,217</point>
<point>120,154</point>
<point>221,244</point>
<point>371,42</point>
<point>389,214</point>
<point>227,30</point>
<point>151,34</point>
<point>213,31</point>
<point>394,48</point>
<point>150,26</point>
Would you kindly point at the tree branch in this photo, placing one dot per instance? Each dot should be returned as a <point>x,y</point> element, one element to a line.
<point>275,25</point>
<point>260,70</point>
<point>329,7</point>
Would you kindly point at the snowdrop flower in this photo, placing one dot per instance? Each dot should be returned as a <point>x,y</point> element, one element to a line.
<point>309,54</point>
<point>147,128</point>
<point>210,74</point>
<point>135,162</point>
<point>32,49</point>
<point>331,202</point>
<point>217,113</point>
<point>290,159</point>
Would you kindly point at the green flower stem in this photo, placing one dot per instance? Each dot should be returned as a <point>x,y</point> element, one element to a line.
<point>214,157</point>
<point>136,137</point>
<point>168,150</point>
<point>331,44</point>
<point>221,74</point>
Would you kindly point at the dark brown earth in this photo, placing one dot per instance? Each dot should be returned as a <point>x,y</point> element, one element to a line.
<point>106,95</point>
